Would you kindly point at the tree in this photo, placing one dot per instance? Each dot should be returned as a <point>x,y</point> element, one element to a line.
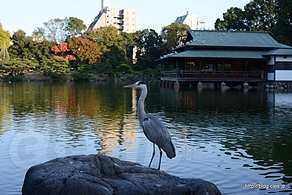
<point>63,51</point>
<point>17,66</point>
<point>4,37</point>
<point>232,19</point>
<point>55,30</point>
<point>19,44</point>
<point>4,55</point>
<point>107,37</point>
<point>4,43</point>
<point>55,65</point>
<point>26,47</point>
<point>129,46</point>
<point>174,35</point>
<point>75,27</point>
<point>85,50</point>
<point>258,15</point>
<point>111,45</point>
<point>38,34</point>
<point>149,44</point>
<point>283,28</point>
<point>40,51</point>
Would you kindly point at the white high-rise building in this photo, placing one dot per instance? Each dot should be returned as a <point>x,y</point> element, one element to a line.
<point>124,19</point>
<point>105,3</point>
<point>190,19</point>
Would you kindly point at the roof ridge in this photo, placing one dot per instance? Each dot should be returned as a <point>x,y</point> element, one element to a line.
<point>231,31</point>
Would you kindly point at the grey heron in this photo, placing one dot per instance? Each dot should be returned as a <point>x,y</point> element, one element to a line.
<point>152,127</point>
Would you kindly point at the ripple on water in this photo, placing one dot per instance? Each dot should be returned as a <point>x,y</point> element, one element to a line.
<point>234,140</point>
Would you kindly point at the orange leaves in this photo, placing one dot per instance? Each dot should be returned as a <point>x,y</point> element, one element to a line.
<point>84,49</point>
<point>63,47</point>
<point>80,48</point>
<point>63,51</point>
<point>55,49</point>
<point>70,57</point>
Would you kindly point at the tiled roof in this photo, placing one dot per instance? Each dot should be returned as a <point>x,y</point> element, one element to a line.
<point>226,54</point>
<point>228,45</point>
<point>282,52</point>
<point>243,39</point>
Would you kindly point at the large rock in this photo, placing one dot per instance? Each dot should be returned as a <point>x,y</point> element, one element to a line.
<point>100,174</point>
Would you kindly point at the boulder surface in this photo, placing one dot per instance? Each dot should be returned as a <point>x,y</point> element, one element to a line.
<point>100,174</point>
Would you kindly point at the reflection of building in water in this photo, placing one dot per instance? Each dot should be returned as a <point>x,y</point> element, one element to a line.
<point>279,105</point>
<point>118,132</point>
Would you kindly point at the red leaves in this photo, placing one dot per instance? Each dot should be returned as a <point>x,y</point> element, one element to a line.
<point>63,51</point>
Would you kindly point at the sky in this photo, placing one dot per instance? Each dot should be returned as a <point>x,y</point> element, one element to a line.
<point>28,15</point>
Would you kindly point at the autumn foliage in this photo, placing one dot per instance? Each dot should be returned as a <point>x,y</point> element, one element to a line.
<point>84,49</point>
<point>63,51</point>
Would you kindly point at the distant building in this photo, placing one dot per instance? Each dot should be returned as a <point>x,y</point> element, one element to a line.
<point>190,19</point>
<point>124,19</point>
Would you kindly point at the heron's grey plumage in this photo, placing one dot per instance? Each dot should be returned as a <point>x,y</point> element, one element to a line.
<point>153,128</point>
<point>157,133</point>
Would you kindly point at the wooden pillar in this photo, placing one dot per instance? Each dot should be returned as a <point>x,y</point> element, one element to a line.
<point>176,85</point>
<point>223,85</point>
<point>200,86</point>
<point>245,85</point>
<point>176,67</point>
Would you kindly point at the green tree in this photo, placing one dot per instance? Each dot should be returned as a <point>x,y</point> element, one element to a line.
<point>55,65</point>
<point>283,28</point>
<point>128,46</point>
<point>17,66</point>
<point>27,47</point>
<point>149,44</point>
<point>19,44</point>
<point>75,27</point>
<point>258,15</point>
<point>174,35</point>
<point>38,34</point>
<point>111,45</point>
<point>232,19</point>
<point>40,50</point>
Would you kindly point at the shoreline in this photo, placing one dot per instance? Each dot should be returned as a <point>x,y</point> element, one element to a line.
<point>67,77</point>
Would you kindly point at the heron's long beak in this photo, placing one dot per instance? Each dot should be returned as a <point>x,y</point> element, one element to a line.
<point>129,86</point>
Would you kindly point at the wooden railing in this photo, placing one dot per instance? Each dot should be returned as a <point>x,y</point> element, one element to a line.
<point>184,75</point>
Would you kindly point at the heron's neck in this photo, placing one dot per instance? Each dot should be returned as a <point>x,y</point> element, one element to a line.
<point>141,110</point>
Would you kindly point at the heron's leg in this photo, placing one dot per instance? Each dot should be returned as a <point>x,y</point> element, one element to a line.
<point>160,158</point>
<point>153,153</point>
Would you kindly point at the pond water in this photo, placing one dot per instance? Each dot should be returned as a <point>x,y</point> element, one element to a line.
<point>239,140</point>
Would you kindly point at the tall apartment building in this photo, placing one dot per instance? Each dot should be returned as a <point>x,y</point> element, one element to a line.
<point>190,19</point>
<point>124,19</point>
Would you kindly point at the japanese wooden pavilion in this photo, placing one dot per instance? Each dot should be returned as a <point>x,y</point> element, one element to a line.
<point>227,57</point>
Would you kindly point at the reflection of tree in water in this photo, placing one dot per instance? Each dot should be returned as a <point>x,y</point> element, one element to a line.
<point>250,121</point>
<point>5,112</point>
<point>73,112</point>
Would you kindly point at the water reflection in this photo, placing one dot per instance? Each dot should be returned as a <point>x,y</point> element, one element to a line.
<point>232,138</point>
<point>256,125</point>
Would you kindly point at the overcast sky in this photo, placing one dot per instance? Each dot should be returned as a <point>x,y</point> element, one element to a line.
<point>151,14</point>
